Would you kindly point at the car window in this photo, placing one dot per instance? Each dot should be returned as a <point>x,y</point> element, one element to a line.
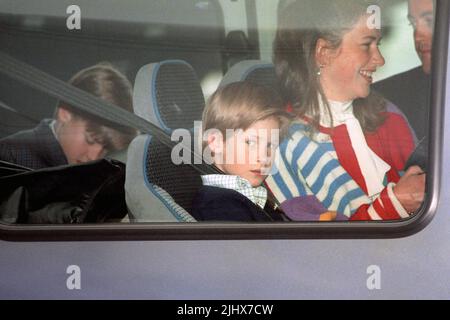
<point>274,113</point>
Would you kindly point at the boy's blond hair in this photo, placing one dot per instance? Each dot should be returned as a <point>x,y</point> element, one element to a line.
<point>238,105</point>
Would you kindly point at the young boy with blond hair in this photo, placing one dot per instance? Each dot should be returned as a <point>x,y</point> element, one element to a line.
<point>242,126</point>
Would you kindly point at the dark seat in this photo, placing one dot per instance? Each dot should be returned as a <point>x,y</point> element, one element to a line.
<point>169,95</point>
<point>255,71</point>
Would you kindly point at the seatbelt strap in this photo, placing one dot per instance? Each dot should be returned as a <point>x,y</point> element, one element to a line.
<point>4,106</point>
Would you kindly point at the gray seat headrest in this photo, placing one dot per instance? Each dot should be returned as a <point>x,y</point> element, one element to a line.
<point>256,71</point>
<point>168,94</point>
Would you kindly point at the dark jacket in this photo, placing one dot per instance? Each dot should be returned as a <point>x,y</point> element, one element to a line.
<point>410,91</point>
<point>220,204</point>
<point>35,148</point>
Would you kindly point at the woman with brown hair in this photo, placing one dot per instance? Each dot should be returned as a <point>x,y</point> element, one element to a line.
<point>347,149</point>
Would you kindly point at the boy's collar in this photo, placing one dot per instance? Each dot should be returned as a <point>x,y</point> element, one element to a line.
<point>257,195</point>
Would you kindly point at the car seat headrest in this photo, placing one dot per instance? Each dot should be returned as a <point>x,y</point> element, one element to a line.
<point>168,94</point>
<point>255,71</point>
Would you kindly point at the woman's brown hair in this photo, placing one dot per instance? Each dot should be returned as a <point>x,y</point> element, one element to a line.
<point>301,25</point>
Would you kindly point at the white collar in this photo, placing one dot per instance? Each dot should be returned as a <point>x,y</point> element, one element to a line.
<point>340,111</point>
<point>373,168</point>
<point>52,126</point>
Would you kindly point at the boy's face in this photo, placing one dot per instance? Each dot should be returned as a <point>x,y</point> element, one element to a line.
<point>77,142</point>
<point>249,154</point>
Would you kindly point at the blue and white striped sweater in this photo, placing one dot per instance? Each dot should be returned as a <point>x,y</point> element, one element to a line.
<point>304,167</point>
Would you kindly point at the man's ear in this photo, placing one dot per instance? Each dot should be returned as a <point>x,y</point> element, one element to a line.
<point>63,115</point>
<point>324,53</point>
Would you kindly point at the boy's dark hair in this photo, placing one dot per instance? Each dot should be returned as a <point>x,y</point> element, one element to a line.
<point>107,83</point>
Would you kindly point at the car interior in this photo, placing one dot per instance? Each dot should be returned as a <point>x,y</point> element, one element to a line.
<point>175,53</point>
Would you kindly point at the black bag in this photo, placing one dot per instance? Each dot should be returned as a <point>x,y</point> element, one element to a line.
<point>86,193</point>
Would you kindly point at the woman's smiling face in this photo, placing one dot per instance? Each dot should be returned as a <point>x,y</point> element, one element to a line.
<point>347,73</point>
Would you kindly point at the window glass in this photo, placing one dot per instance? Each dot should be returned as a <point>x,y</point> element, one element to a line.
<point>277,112</point>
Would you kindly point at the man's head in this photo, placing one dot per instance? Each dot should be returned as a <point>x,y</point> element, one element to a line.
<point>421,17</point>
<point>84,137</point>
